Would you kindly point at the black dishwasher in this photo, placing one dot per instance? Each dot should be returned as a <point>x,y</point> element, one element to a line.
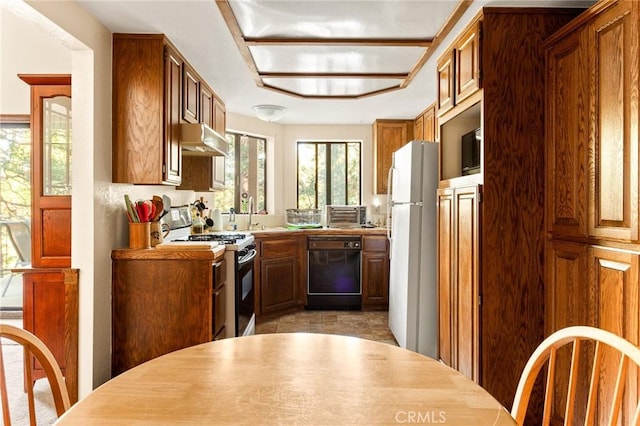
<point>334,272</point>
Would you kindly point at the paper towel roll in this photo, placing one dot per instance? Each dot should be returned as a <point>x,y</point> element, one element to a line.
<point>217,220</point>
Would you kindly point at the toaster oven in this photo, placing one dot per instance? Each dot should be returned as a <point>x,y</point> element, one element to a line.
<point>346,216</point>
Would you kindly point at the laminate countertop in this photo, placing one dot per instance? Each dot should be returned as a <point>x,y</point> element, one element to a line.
<point>258,233</point>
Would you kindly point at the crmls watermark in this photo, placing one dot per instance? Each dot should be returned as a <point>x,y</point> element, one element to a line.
<point>421,417</point>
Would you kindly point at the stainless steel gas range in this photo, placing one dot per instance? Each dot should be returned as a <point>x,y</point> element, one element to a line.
<point>240,251</point>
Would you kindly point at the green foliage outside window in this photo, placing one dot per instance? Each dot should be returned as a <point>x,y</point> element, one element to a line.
<point>328,173</point>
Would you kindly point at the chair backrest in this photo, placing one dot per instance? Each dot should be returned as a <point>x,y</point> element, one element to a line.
<point>545,354</point>
<point>20,236</point>
<point>33,346</point>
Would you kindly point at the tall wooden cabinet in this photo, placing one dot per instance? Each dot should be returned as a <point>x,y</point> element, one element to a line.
<point>388,136</point>
<point>490,224</point>
<point>593,246</point>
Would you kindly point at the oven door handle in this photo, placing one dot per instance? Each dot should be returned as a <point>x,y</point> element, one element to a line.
<point>247,257</point>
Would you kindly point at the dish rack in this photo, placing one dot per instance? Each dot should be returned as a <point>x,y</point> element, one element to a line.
<point>303,218</point>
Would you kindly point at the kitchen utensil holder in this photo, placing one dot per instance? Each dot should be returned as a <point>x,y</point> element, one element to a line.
<point>140,235</point>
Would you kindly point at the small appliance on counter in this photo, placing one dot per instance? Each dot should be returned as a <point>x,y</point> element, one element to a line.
<point>346,216</point>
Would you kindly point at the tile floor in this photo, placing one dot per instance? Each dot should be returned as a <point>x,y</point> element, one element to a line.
<point>367,325</point>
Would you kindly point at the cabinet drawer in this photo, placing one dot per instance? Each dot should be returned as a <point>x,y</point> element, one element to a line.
<point>219,273</point>
<point>377,243</point>
<point>219,310</point>
<point>279,248</point>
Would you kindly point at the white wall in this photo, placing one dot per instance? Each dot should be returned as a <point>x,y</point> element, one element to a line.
<point>25,50</point>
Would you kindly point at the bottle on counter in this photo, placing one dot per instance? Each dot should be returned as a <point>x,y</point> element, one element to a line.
<point>197,227</point>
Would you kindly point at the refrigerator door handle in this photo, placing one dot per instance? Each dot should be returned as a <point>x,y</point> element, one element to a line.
<point>389,206</point>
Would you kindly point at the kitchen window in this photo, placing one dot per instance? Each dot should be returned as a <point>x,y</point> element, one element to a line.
<point>328,173</point>
<point>245,174</point>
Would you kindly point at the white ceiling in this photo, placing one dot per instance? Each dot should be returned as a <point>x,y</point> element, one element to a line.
<point>197,29</point>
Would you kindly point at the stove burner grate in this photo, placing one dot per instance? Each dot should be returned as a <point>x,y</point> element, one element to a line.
<point>225,238</point>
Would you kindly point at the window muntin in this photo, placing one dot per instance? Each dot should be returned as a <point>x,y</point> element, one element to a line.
<point>328,173</point>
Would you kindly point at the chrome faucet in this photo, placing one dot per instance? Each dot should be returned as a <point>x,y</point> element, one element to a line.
<point>250,204</point>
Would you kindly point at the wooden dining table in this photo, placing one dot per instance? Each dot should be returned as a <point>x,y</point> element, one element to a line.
<point>289,378</point>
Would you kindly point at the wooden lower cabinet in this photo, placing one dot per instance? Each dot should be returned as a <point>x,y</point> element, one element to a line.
<point>50,311</point>
<point>595,286</point>
<point>280,282</point>
<point>161,305</point>
<point>458,288</point>
<point>375,272</point>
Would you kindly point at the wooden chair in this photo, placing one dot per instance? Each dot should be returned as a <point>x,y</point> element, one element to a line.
<point>545,354</point>
<point>33,346</point>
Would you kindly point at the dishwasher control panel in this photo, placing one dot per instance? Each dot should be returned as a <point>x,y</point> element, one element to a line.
<point>337,242</point>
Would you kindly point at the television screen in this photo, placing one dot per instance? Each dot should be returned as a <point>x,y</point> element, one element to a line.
<point>471,153</point>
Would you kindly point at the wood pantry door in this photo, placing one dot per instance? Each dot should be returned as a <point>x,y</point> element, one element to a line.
<point>50,170</point>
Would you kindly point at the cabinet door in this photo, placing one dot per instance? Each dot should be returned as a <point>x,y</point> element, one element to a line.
<point>445,83</point>
<point>467,63</point>
<point>418,128</point>
<point>279,284</point>
<point>446,291</point>
<point>375,272</point>
<point>429,124</point>
<point>614,66</point>
<point>466,273</point>
<point>219,164</point>
<point>568,301</point>
<point>566,138</point>
<point>190,95</point>
<point>206,106</point>
<point>614,275</point>
<point>220,117</point>
<point>388,137</point>
<point>197,173</point>
<point>44,309</point>
<point>172,156</point>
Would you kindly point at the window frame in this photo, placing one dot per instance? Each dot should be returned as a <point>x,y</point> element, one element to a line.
<point>328,150</point>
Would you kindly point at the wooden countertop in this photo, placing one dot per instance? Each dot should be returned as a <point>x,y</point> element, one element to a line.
<point>155,254</point>
<point>297,378</point>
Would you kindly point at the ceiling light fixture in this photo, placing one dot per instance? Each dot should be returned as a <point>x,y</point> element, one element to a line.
<point>269,112</point>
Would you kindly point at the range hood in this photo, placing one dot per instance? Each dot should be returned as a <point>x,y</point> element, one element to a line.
<point>200,139</point>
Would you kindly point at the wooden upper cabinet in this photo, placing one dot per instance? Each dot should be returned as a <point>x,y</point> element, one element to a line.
<point>429,124</point>
<point>445,81</point>
<point>467,62</point>
<point>190,95</point>
<point>566,135</point>
<point>459,69</point>
<point>418,128</point>
<point>219,116</point>
<point>388,136</point>
<point>172,168</point>
<point>206,106</point>
<point>146,86</point>
<point>613,134</point>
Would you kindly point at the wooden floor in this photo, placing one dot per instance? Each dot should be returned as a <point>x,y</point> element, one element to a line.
<point>366,325</point>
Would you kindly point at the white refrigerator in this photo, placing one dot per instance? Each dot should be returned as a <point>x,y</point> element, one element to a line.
<point>411,211</point>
